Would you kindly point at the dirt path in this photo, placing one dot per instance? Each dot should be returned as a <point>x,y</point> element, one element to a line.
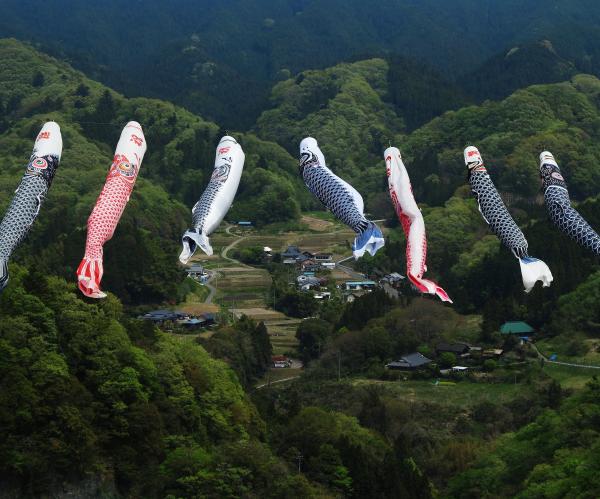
<point>278,381</point>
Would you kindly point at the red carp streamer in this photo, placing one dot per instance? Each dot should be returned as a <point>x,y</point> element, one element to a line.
<point>412,222</point>
<point>110,206</point>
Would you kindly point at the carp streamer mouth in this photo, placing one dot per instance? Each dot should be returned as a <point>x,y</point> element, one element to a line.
<point>307,159</point>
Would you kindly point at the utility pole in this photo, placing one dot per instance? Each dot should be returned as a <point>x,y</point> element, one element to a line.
<point>339,364</point>
<point>299,458</point>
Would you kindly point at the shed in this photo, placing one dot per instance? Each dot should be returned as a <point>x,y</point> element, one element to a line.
<point>492,353</point>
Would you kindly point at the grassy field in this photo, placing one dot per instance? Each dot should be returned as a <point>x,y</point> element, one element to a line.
<point>561,347</point>
<point>460,394</point>
<point>570,377</point>
<point>283,336</point>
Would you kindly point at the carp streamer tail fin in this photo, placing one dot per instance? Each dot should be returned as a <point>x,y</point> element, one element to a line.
<point>534,270</point>
<point>427,286</point>
<point>191,240</point>
<point>370,241</point>
<point>89,275</point>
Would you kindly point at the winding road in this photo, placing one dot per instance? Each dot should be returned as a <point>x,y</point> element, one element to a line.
<point>214,274</point>
<point>225,250</point>
<point>570,364</point>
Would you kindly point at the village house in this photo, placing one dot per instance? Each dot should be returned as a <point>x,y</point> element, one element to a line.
<point>458,349</point>
<point>359,285</point>
<point>291,255</point>
<point>409,362</point>
<point>323,257</point>
<point>196,271</point>
<point>520,328</point>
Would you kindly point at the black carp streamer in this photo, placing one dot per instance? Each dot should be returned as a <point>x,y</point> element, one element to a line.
<point>30,195</point>
<point>496,215</point>
<point>340,197</point>
<point>558,203</point>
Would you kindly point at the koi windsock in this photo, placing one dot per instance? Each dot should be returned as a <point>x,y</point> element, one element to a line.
<point>340,197</point>
<point>558,204</point>
<point>30,194</point>
<point>110,205</point>
<point>496,215</point>
<point>412,222</point>
<point>216,199</point>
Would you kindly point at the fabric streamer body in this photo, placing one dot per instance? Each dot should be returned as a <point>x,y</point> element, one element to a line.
<point>110,206</point>
<point>340,197</point>
<point>558,204</point>
<point>216,199</point>
<point>412,222</point>
<point>30,195</point>
<point>501,223</point>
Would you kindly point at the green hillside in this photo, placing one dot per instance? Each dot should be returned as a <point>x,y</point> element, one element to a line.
<point>103,406</point>
<point>35,88</point>
<point>94,401</point>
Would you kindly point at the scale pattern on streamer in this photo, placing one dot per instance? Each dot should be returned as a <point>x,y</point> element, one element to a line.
<point>328,188</point>
<point>495,213</point>
<point>562,214</point>
<point>109,206</point>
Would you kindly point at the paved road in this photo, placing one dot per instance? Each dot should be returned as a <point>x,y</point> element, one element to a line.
<point>227,248</point>
<point>351,272</point>
<point>211,289</point>
<point>570,364</point>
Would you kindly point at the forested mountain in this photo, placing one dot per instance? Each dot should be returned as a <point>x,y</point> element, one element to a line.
<point>348,108</point>
<point>219,57</point>
<point>519,67</point>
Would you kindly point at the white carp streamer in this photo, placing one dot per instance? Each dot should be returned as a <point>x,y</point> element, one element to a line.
<point>30,195</point>
<point>412,222</point>
<point>110,206</point>
<point>340,197</point>
<point>216,199</point>
<point>496,215</point>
